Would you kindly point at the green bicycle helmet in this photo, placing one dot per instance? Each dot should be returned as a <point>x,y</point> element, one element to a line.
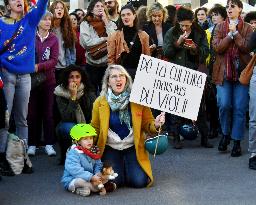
<point>82,130</point>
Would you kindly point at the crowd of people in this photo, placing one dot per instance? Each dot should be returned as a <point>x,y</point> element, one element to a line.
<point>88,61</point>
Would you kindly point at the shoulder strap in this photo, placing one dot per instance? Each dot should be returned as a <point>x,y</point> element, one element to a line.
<point>8,42</point>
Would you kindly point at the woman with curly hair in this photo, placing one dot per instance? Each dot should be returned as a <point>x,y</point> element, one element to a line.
<point>74,97</point>
<point>62,27</point>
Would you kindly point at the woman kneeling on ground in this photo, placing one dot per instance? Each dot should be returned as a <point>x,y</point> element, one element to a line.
<point>120,126</point>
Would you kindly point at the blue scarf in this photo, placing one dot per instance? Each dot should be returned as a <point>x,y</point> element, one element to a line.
<point>120,103</point>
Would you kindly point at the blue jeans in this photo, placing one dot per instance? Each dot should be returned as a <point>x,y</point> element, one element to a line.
<point>17,92</point>
<point>252,113</point>
<point>232,99</point>
<point>63,129</point>
<point>125,163</point>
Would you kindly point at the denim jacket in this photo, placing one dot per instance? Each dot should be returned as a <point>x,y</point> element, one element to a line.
<point>70,55</point>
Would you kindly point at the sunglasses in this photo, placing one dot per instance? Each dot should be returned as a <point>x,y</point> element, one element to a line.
<point>232,6</point>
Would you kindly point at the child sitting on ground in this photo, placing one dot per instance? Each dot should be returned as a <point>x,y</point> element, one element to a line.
<point>83,165</point>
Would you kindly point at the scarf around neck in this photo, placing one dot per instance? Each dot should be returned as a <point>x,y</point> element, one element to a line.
<point>93,152</point>
<point>232,54</point>
<point>98,26</point>
<point>119,103</point>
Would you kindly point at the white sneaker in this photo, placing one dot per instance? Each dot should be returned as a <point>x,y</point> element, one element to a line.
<point>31,150</point>
<point>49,150</point>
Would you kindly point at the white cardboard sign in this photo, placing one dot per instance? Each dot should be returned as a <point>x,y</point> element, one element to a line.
<point>168,87</point>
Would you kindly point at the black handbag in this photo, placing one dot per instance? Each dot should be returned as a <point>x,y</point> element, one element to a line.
<point>37,79</point>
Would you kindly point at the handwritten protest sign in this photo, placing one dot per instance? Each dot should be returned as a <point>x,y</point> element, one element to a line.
<point>168,87</point>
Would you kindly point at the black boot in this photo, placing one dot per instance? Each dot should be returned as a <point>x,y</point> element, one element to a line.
<point>205,143</point>
<point>224,142</point>
<point>252,163</point>
<point>236,151</point>
<point>5,168</point>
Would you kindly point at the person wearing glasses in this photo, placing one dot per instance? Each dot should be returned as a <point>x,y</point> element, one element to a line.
<point>231,45</point>
<point>186,44</point>
<point>113,7</point>
<point>121,126</point>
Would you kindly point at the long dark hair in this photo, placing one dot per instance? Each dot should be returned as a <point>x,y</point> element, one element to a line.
<point>84,77</point>
<point>120,22</point>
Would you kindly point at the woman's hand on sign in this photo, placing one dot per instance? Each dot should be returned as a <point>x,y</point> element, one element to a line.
<point>160,120</point>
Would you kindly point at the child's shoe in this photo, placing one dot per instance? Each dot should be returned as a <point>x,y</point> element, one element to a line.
<point>83,191</point>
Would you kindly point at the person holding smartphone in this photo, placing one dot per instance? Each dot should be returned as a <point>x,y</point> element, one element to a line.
<point>186,44</point>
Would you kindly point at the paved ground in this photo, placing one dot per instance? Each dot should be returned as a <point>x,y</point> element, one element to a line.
<point>191,176</point>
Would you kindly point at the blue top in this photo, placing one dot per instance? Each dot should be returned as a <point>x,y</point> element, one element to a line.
<point>79,165</point>
<point>115,125</point>
<point>20,56</point>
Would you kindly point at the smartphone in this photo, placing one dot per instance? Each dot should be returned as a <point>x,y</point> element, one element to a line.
<point>189,41</point>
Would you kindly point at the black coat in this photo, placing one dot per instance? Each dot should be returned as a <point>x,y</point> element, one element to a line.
<point>149,28</point>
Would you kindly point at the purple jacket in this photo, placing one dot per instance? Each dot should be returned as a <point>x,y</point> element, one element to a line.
<point>47,53</point>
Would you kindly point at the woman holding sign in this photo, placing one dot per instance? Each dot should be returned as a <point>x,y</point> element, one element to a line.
<point>186,44</point>
<point>231,44</point>
<point>120,126</point>
<point>127,44</point>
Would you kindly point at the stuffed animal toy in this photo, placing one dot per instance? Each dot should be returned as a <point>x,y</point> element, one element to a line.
<point>106,175</point>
